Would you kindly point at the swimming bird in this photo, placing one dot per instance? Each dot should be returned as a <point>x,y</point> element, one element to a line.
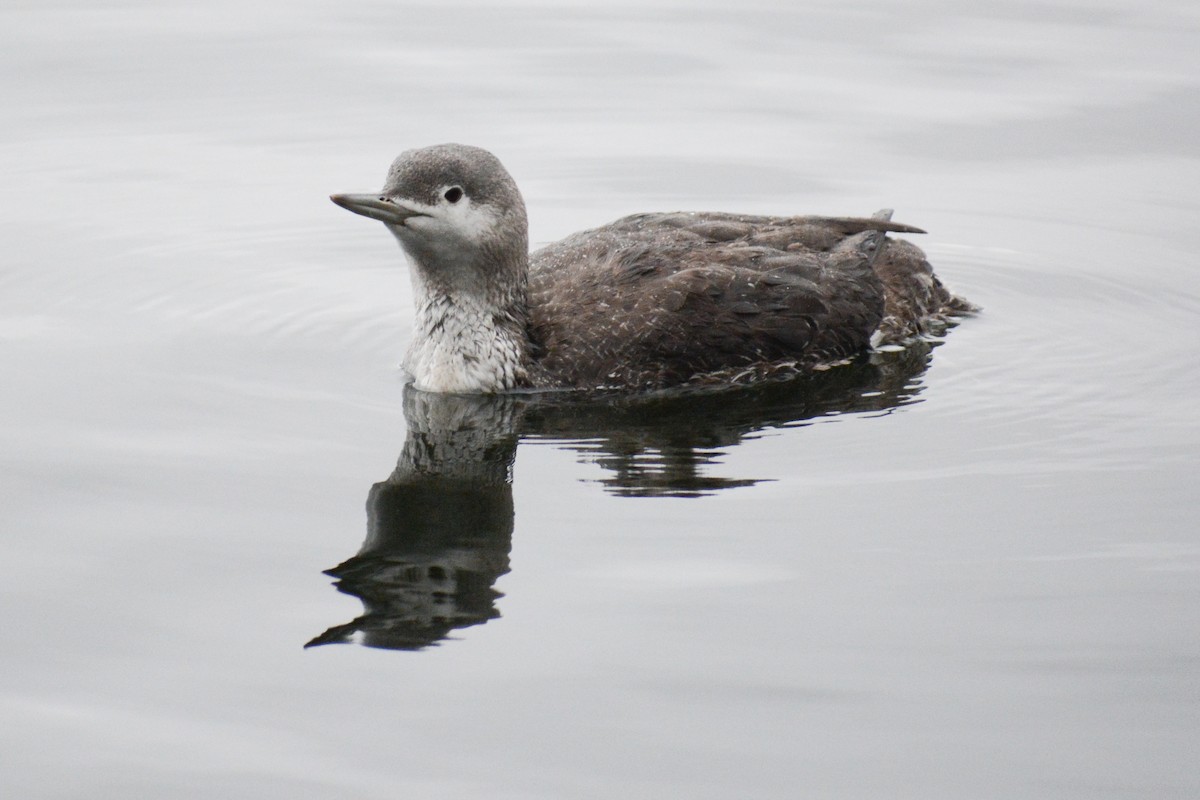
<point>650,301</point>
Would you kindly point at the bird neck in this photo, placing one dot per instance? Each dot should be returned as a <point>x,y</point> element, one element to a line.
<point>471,338</point>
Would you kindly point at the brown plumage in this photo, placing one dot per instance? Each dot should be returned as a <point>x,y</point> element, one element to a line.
<point>649,301</point>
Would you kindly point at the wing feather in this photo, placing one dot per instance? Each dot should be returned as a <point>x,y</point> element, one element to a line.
<point>656,299</point>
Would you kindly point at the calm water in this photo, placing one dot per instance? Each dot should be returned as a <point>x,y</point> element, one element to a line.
<point>972,572</point>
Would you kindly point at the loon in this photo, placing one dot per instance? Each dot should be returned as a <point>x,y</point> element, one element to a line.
<point>651,301</point>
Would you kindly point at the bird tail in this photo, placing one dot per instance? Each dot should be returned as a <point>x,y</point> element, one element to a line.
<point>870,233</point>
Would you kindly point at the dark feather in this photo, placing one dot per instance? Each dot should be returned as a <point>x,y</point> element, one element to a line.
<point>660,299</point>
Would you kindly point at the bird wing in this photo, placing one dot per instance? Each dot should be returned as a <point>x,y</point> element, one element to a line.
<point>657,299</point>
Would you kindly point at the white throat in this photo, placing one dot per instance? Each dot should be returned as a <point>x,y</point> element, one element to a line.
<point>463,344</point>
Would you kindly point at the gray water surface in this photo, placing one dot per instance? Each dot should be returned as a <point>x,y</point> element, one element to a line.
<point>972,572</point>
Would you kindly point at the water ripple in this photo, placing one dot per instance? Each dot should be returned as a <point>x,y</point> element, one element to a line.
<point>1069,362</point>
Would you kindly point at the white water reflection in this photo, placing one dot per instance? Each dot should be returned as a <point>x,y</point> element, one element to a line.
<point>988,592</point>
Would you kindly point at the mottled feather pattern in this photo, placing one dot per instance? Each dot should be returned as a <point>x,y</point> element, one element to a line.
<point>460,343</point>
<point>656,300</point>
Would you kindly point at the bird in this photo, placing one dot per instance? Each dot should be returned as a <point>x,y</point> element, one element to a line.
<point>649,302</point>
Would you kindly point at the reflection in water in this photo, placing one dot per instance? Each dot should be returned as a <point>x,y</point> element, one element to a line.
<point>660,445</point>
<point>439,529</point>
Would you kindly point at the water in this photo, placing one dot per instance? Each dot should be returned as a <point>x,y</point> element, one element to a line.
<point>973,577</point>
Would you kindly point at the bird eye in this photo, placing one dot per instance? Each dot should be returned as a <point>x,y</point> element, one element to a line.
<point>453,194</point>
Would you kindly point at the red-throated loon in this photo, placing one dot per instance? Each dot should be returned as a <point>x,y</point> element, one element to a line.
<point>647,302</point>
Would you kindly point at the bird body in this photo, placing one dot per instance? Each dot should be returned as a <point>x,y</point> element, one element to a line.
<point>647,302</point>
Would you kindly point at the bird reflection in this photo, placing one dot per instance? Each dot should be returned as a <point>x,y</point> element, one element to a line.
<point>662,445</point>
<point>439,528</point>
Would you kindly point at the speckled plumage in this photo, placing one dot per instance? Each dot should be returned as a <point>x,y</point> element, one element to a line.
<point>647,302</point>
